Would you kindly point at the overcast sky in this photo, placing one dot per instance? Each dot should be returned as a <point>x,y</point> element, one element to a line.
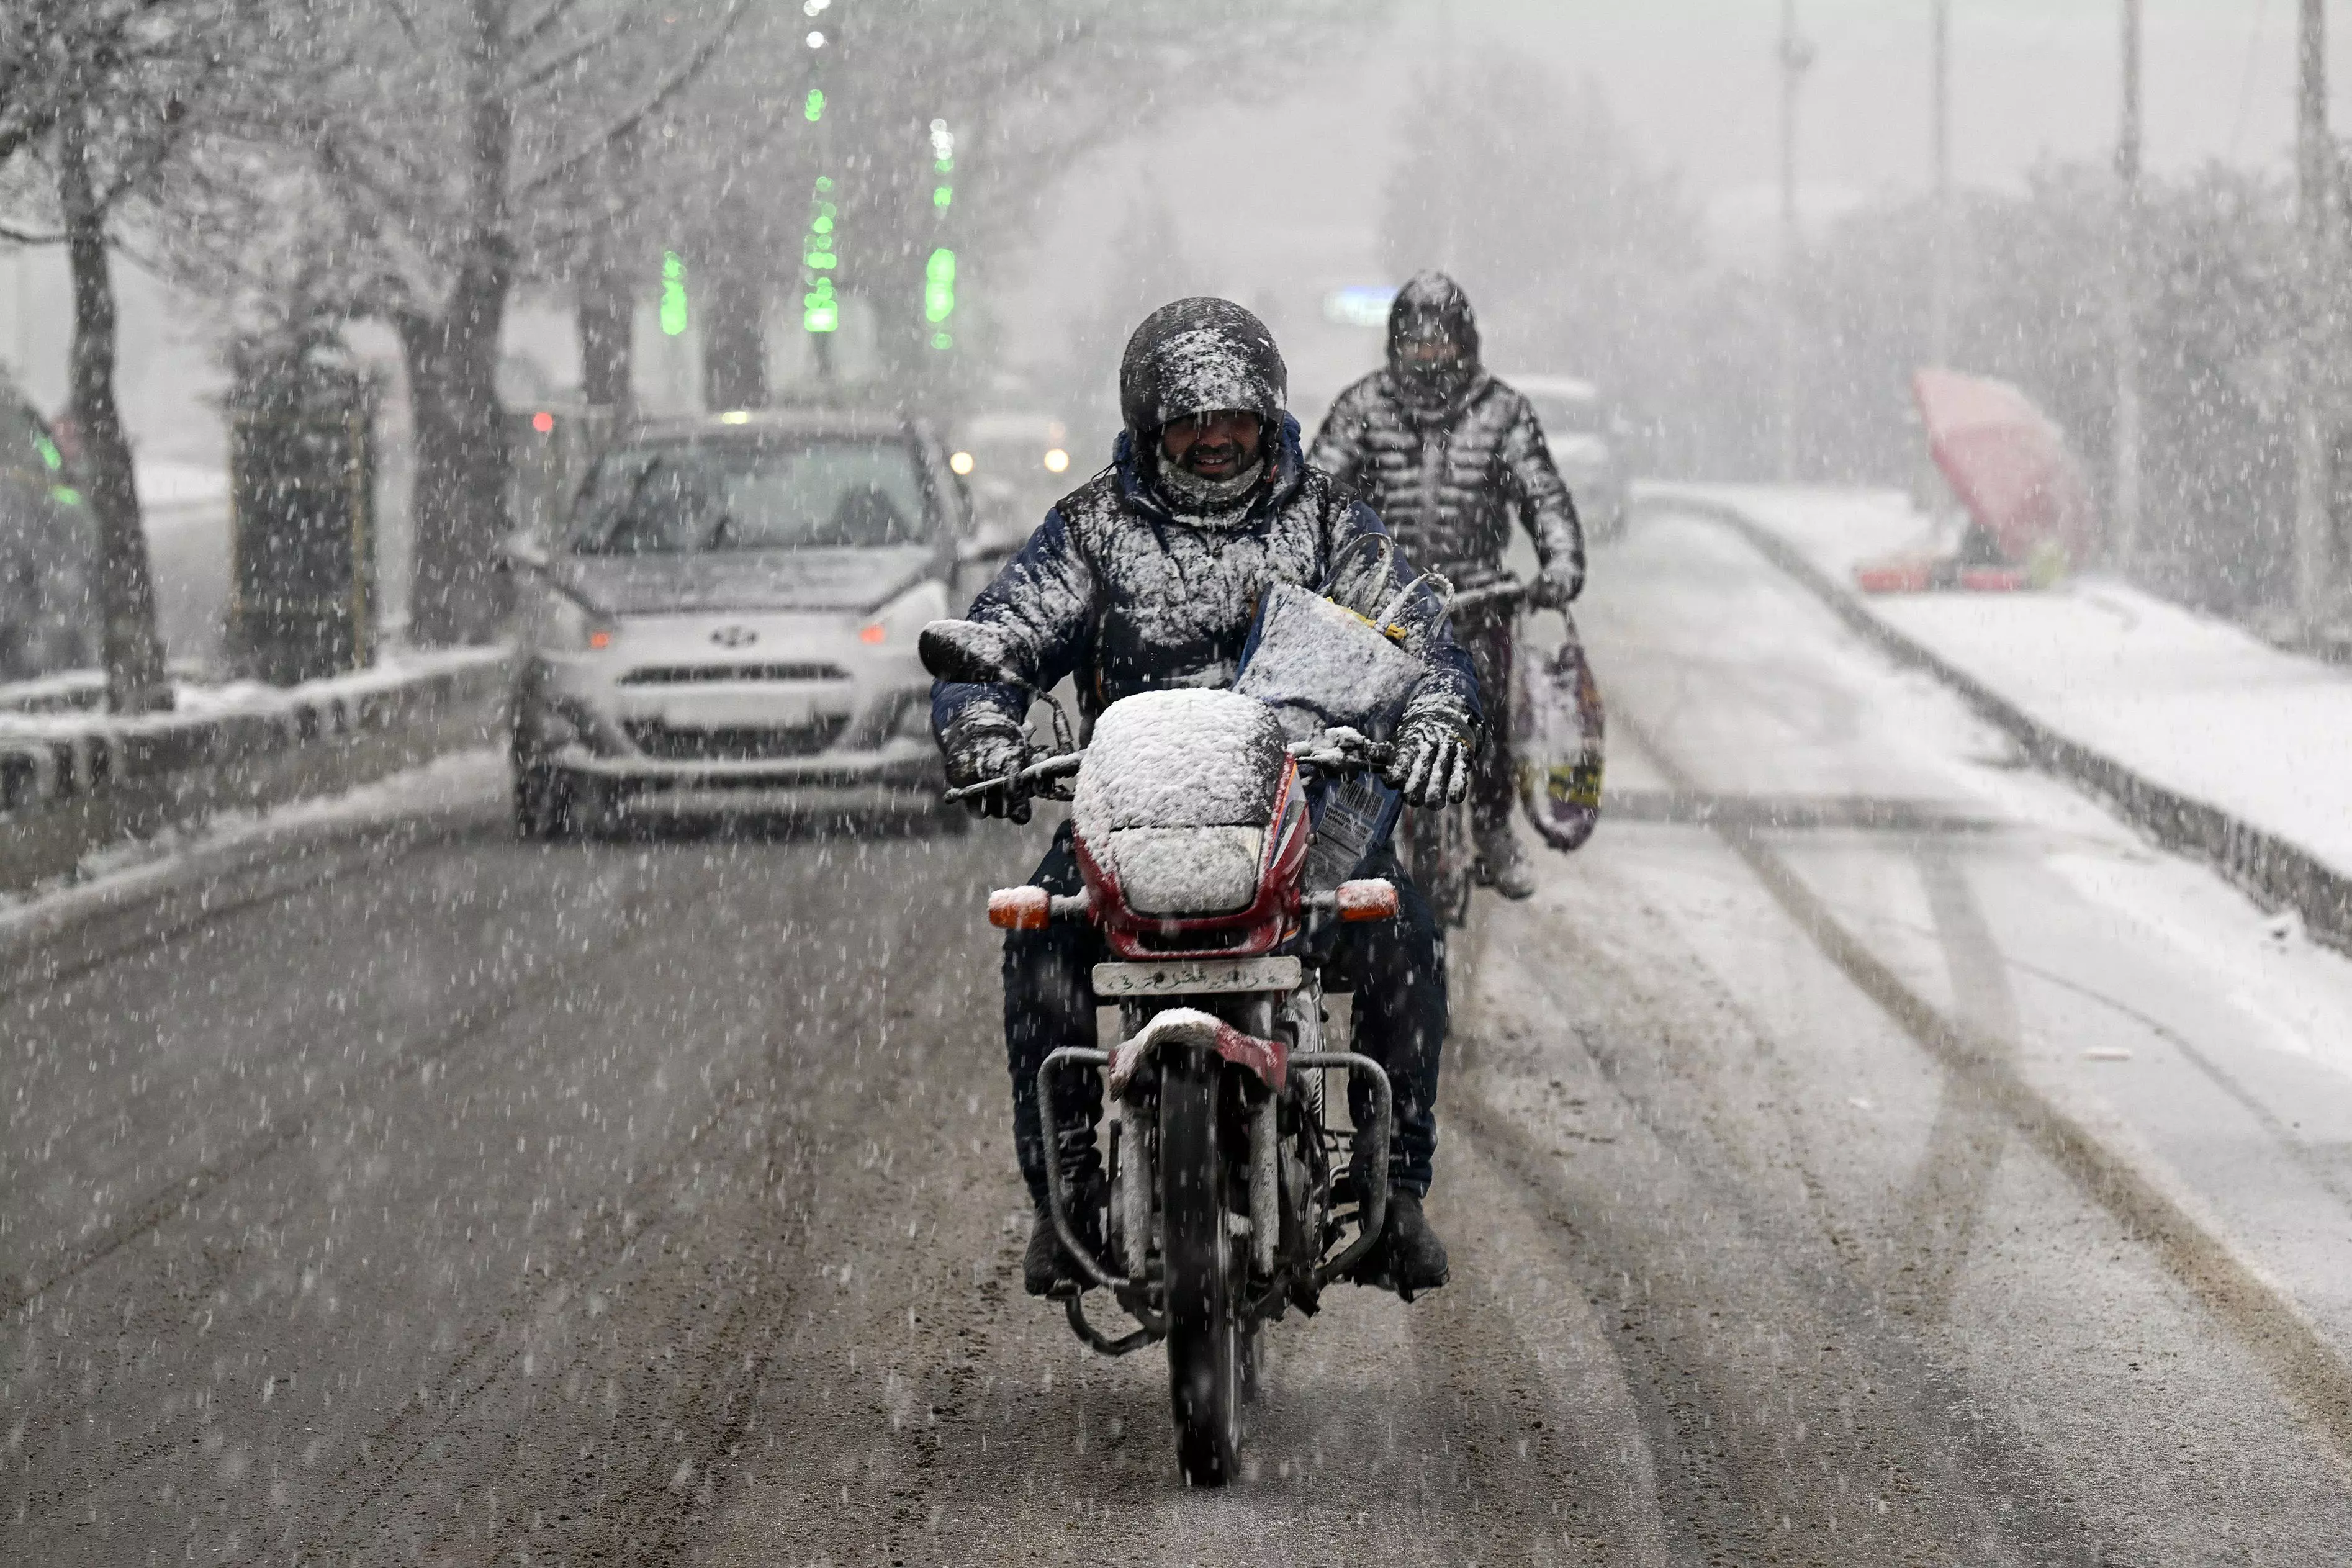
<point>1696,84</point>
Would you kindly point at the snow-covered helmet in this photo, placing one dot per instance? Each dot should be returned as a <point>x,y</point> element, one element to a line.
<point>1432,308</point>
<point>1193,355</point>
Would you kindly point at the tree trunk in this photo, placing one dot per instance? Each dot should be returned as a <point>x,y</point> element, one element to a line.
<point>135,681</point>
<point>734,339</point>
<point>604,317</point>
<point>460,513</point>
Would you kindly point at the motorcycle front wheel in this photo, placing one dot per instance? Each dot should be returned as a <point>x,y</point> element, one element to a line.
<point>1205,1348</point>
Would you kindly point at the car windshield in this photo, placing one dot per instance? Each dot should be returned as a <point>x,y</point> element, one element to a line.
<point>819,494</point>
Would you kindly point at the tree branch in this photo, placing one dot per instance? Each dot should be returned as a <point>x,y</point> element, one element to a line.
<point>661,95</point>
<point>556,62</point>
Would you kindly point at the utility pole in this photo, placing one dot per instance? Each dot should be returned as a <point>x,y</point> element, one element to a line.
<point>1939,274</point>
<point>1796,56</point>
<point>2313,167</point>
<point>2124,307</point>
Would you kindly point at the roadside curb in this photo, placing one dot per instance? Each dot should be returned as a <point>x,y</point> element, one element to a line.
<point>79,783</point>
<point>2276,873</point>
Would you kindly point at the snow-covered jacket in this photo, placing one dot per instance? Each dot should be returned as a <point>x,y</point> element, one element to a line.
<point>1450,482</point>
<point>1116,589</point>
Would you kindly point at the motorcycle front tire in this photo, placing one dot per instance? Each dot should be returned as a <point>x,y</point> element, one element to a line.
<point>1205,1349</point>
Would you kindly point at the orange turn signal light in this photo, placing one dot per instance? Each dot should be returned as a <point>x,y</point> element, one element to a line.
<point>1369,899</point>
<point>1029,909</point>
<point>873,634</point>
<point>600,638</point>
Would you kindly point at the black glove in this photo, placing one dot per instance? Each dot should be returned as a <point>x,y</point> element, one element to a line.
<point>1555,588</point>
<point>990,754</point>
<point>1430,764</point>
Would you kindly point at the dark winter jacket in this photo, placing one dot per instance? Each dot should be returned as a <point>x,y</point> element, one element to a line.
<point>1116,589</point>
<point>1450,486</point>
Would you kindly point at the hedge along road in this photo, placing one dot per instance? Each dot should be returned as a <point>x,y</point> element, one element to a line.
<point>653,1201</point>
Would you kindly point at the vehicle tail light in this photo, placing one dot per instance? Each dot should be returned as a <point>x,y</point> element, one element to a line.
<point>1370,898</point>
<point>600,638</point>
<point>1028,909</point>
<point>873,634</point>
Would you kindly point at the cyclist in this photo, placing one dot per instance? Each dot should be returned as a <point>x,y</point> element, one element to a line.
<point>1450,458</point>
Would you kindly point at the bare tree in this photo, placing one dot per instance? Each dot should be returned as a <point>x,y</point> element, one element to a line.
<point>438,146</point>
<point>99,103</point>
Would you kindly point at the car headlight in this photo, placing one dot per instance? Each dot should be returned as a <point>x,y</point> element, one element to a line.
<point>896,623</point>
<point>561,624</point>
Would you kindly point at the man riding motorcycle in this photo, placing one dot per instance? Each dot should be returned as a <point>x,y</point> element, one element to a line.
<point>1449,456</point>
<point>1148,576</point>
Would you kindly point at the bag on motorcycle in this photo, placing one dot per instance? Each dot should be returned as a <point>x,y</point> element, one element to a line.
<point>1555,731</point>
<point>1319,665</point>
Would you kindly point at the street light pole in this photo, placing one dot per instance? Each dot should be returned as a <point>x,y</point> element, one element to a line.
<point>1796,55</point>
<point>2314,171</point>
<point>1939,275</point>
<point>2124,305</point>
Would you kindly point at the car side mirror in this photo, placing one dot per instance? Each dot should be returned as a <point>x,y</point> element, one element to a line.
<point>965,652</point>
<point>520,550</point>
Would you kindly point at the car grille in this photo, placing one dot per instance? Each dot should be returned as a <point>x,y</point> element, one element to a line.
<point>745,744</point>
<point>702,673</point>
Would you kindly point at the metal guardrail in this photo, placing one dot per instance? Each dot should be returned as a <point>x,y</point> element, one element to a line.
<point>71,782</point>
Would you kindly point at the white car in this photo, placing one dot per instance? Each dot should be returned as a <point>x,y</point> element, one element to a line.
<point>727,622</point>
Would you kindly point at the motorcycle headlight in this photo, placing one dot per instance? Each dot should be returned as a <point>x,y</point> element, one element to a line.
<point>561,624</point>
<point>896,623</point>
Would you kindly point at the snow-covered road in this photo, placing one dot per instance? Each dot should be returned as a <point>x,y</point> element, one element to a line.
<point>1863,1152</point>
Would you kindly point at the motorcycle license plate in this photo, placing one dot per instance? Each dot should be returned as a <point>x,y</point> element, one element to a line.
<point>1196,976</point>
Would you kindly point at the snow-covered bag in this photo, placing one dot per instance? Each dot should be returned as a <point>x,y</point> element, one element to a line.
<point>1555,732</point>
<point>1319,665</point>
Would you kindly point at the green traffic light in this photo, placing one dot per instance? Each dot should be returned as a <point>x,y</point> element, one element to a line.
<point>673,296</point>
<point>815,108</point>
<point>938,286</point>
<point>941,197</point>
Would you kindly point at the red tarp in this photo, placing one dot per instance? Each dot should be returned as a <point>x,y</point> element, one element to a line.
<point>2007,463</point>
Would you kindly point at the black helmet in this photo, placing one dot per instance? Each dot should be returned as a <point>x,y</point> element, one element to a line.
<point>1432,308</point>
<point>1197,354</point>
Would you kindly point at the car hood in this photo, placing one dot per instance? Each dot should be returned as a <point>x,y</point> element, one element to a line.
<point>744,580</point>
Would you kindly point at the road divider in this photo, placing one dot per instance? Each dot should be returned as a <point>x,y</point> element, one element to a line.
<point>2276,871</point>
<point>73,782</point>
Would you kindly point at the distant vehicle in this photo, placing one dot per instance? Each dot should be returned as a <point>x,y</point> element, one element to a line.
<point>1017,466</point>
<point>49,546</point>
<point>1587,443</point>
<point>727,621</point>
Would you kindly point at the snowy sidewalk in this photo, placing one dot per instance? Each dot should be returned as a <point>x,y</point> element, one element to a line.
<point>2193,707</point>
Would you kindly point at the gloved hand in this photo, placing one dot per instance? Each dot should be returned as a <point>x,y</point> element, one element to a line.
<point>991,753</point>
<point>1555,587</point>
<point>1430,764</point>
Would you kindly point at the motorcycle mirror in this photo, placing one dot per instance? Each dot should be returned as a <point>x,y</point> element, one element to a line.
<point>964,651</point>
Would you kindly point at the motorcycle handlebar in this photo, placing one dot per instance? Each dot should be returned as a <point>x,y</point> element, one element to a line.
<point>1024,782</point>
<point>1511,591</point>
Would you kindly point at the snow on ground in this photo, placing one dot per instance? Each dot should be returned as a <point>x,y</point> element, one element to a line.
<point>2184,700</point>
<point>1821,712</point>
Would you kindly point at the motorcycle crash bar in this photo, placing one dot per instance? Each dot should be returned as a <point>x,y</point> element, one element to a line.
<point>1032,908</point>
<point>1364,899</point>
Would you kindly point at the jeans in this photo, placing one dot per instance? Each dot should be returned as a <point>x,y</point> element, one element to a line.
<point>1393,966</point>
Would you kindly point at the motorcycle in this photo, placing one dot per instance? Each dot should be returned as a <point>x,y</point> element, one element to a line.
<point>1218,852</point>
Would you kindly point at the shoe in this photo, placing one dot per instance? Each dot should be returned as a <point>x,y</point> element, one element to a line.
<point>1045,1262</point>
<point>1503,868</point>
<point>1408,1258</point>
<point>1415,1258</point>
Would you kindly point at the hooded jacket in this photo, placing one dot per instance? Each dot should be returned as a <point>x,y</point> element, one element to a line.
<point>1120,590</point>
<point>1450,474</point>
